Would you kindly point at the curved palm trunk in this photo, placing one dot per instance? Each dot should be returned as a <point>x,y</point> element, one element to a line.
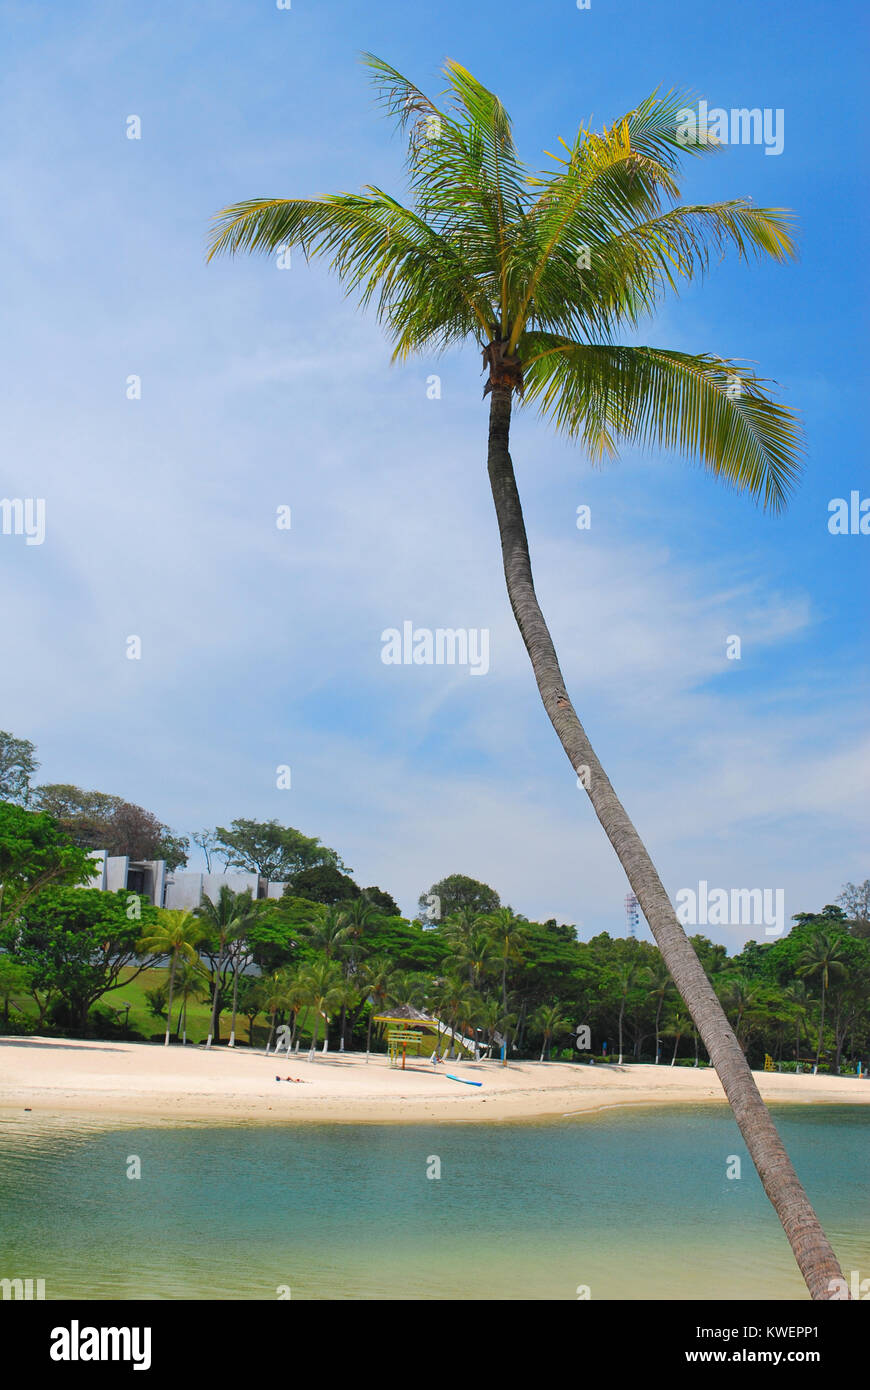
<point>812,1250</point>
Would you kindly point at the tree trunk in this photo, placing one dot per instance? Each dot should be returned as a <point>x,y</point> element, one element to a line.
<point>812,1250</point>
<point>821,1026</point>
<point>621,1011</point>
<point>169,1001</point>
<point>232,1041</point>
<point>212,1032</point>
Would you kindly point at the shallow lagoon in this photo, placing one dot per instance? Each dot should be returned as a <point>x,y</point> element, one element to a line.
<point>634,1204</point>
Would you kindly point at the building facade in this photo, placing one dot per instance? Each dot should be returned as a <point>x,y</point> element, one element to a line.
<point>172,888</point>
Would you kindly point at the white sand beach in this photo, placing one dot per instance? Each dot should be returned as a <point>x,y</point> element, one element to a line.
<point>144,1081</point>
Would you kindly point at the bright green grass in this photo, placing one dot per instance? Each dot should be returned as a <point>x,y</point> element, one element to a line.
<point>144,1024</point>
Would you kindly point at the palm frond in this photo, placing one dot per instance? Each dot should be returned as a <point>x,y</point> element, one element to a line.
<point>700,406</point>
<point>374,244</point>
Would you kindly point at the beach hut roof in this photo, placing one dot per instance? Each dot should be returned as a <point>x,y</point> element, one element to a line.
<point>404,1013</point>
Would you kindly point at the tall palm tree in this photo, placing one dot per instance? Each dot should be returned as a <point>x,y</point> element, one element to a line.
<point>246,912</point>
<point>375,980</point>
<point>329,934</point>
<point>354,918</point>
<point>225,922</point>
<point>324,988</point>
<point>274,990</point>
<point>191,983</point>
<point>454,999</point>
<point>478,953</point>
<point>543,272</point>
<point>627,976</point>
<point>509,933</point>
<point>659,980</point>
<point>822,957</point>
<point>676,1026</point>
<point>459,928</point>
<point>175,934</point>
<point>796,994</point>
<point>550,1022</point>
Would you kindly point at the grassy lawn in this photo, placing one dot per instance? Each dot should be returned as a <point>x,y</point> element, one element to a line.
<point>198,1013</point>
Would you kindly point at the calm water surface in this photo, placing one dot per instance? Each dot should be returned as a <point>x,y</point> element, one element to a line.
<point>633,1203</point>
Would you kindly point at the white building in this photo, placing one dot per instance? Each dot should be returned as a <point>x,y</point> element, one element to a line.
<point>170,887</point>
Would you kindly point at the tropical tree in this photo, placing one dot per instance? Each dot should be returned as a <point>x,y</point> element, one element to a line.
<point>375,979</point>
<point>273,999</point>
<point>238,913</point>
<point>659,980</point>
<point>677,1024</point>
<point>329,934</point>
<point>478,953</point>
<point>550,1021</point>
<point>324,988</point>
<point>543,272</point>
<point>283,991</point>
<point>355,917</point>
<point>15,980</point>
<point>225,922</point>
<point>509,934</point>
<point>191,983</point>
<point>454,1000</point>
<point>627,976</point>
<point>823,957</point>
<point>175,934</point>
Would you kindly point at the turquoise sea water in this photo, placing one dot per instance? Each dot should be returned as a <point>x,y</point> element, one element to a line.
<point>634,1204</point>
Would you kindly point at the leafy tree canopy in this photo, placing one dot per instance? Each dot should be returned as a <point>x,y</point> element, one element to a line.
<point>34,852</point>
<point>322,884</point>
<point>78,940</point>
<point>17,765</point>
<point>274,851</point>
<point>97,820</point>
<point>454,892</point>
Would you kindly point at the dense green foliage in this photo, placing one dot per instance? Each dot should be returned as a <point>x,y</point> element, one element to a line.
<point>328,967</point>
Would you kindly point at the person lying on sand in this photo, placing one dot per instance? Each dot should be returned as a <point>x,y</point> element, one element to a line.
<point>300,1079</point>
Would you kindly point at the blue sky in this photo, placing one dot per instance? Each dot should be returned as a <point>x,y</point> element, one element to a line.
<point>263,387</point>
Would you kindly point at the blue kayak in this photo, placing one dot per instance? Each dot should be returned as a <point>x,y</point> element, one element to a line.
<point>463,1080</point>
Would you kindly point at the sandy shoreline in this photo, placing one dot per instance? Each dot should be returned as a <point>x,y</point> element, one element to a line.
<point>147,1083</point>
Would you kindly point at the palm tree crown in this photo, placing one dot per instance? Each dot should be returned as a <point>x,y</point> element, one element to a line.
<point>545,270</point>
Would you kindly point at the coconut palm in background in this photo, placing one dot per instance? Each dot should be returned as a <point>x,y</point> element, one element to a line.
<point>659,980</point>
<point>823,958</point>
<point>550,1022</point>
<point>325,989</point>
<point>509,933</point>
<point>544,272</point>
<point>175,934</point>
<point>225,922</point>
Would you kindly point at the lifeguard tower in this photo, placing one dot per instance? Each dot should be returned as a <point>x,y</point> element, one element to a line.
<point>407,1026</point>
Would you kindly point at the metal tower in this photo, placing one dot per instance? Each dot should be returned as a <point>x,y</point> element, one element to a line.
<point>632,914</point>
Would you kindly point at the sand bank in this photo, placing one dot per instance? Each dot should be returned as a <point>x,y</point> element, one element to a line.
<point>143,1081</point>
